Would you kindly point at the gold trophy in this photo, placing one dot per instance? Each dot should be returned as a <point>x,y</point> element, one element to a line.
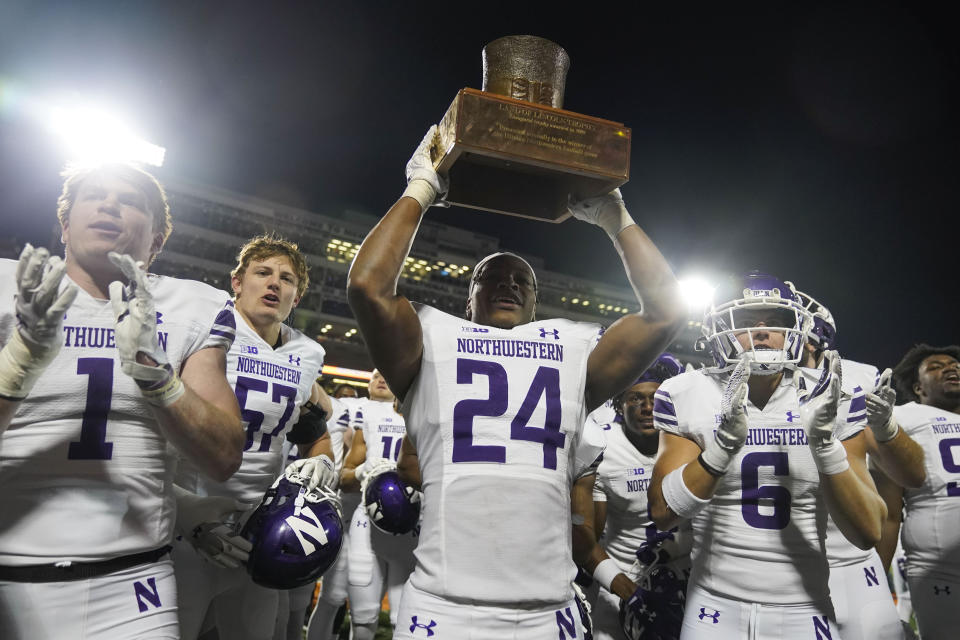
<point>512,149</point>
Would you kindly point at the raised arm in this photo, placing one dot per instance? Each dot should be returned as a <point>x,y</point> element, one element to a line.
<point>634,341</point>
<point>204,423</point>
<point>897,453</point>
<point>851,498</point>
<point>387,321</point>
<point>892,494</point>
<point>36,340</point>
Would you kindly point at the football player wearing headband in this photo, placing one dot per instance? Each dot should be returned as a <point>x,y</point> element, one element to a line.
<point>756,452</point>
<point>378,561</point>
<point>620,502</point>
<point>928,380</point>
<point>495,405</point>
<point>861,599</point>
<point>272,369</point>
<point>134,375</point>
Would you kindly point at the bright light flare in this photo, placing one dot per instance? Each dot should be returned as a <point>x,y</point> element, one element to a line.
<point>93,135</point>
<point>697,293</point>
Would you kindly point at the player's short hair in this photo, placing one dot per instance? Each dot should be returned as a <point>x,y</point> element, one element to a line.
<point>269,245</point>
<point>907,372</point>
<point>156,199</point>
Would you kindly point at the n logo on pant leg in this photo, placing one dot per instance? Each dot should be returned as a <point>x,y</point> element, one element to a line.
<point>150,594</point>
<point>821,626</point>
<point>566,624</point>
<point>870,573</point>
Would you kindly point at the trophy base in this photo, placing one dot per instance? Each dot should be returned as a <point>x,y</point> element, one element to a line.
<point>519,158</point>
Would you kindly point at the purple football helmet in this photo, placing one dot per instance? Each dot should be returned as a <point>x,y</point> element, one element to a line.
<point>665,366</point>
<point>736,306</point>
<point>655,610</point>
<point>392,504</point>
<point>296,535</point>
<point>823,332</point>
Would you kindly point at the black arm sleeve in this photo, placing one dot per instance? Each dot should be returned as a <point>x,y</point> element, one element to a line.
<point>311,425</point>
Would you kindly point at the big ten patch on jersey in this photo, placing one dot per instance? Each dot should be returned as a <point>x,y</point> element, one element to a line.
<point>85,446</point>
<point>383,430</point>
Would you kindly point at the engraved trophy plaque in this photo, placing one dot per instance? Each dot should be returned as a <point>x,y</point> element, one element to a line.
<point>512,149</point>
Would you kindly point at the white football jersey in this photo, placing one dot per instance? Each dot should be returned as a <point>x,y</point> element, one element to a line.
<point>622,482</point>
<point>858,379</point>
<point>931,527</point>
<point>271,385</point>
<point>342,419</point>
<point>495,415</point>
<point>383,430</point>
<point>766,520</point>
<point>86,472</point>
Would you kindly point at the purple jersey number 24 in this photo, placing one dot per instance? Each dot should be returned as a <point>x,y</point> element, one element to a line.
<point>545,384</point>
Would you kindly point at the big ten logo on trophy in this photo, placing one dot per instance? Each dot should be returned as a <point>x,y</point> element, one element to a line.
<point>511,148</point>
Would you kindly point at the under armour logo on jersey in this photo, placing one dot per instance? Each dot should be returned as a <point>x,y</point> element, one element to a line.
<point>550,332</point>
<point>293,360</point>
<point>715,616</point>
<point>426,627</point>
<point>150,594</point>
<point>362,523</point>
<point>791,416</point>
<point>937,590</point>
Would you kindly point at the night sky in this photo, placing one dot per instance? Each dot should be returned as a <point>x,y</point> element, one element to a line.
<point>819,144</point>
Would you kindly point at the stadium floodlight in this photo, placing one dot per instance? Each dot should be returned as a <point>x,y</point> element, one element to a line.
<point>697,293</point>
<point>93,135</point>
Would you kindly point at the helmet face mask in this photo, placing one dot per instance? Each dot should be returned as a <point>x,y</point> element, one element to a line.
<point>759,319</point>
<point>296,535</point>
<point>823,331</point>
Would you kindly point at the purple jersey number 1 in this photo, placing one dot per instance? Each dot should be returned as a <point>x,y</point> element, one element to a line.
<point>93,443</point>
<point>546,383</point>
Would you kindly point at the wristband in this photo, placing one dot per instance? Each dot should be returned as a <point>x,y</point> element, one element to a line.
<point>716,458</point>
<point>421,191</point>
<point>605,572</point>
<point>679,497</point>
<point>716,473</point>
<point>830,458</point>
<point>166,393</point>
<point>887,432</point>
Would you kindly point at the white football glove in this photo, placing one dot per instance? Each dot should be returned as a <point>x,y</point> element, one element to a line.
<point>880,409</point>
<point>424,184</point>
<point>732,432</point>
<point>136,332</point>
<point>607,212</point>
<point>818,412</point>
<point>314,472</point>
<point>40,307</point>
<point>369,470</point>
<point>201,520</point>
